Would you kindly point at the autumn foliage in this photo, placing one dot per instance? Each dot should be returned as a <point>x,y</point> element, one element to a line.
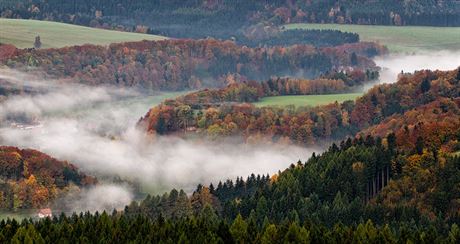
<point>31,179</point>
<point>191,64</point>
<point>7,51</point>
<point>423,101</point>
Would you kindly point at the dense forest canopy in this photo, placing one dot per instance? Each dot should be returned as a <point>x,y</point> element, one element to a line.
<point>363,178</point>
<point>226,112</point>
<point>388,170</point>
<point>30,179</point>
<point>231,18</point>
<point>365,190</point>
<point>189,64</point>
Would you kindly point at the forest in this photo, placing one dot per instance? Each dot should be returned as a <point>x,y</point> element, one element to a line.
<point>317,38</point>
<point>229,18</point>
<point>363,178</point>
<point>30,179</point>
<point>115,165</point>
<point>393,178</point>
<point>228,112</point>
<point>172,65</point>
<point>362,190</point>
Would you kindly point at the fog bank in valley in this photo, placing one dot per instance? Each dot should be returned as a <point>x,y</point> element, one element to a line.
<point>94,128</point>
<point>393,64</point>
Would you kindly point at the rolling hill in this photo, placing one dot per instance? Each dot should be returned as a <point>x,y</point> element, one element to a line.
<point>22,33</point>
<point>398,38</point>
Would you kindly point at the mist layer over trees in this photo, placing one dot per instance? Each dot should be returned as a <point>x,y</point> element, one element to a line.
<point>95,129</point>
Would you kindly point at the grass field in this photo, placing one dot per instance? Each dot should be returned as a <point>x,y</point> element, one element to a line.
<point>22,33</point>
<point>399,38</point>
<point>307,100</point>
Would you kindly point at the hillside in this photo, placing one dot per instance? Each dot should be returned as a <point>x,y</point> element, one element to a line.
<point>398,38</point>
<point>217,114</point>
<point>376,193</point>
<point>22,33</point>
<point>189,64</point>
<point>232,18</point>
<point>30,179</point>
<point>364,178</point>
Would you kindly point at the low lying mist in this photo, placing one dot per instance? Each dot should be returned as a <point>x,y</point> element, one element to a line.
<point>94,128</point>
<point>393,64</point>
<point>98,198</point>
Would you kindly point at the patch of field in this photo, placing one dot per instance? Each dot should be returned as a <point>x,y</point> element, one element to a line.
<point>22,33</point>
<point>399,38</point>
<point>306,100</point>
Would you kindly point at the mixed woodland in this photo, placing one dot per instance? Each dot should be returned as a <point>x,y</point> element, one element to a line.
<point>172,65</point>
<point>220,113</point>
<point>395,180</point>
<point>30,179</point>
<point>364,190</point>
<point>227,19</point>
<point>391,170</point>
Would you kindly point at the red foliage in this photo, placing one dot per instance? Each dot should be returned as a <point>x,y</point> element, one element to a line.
<point>7,51</point>
<point>35,178</point>
<point>187,64</point>
<point>431,111</point>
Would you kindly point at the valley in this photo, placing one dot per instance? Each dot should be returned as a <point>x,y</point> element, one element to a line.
<point>229,121</point>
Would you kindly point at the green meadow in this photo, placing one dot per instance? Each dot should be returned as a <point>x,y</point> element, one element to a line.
<point>22,33</point>
<point>404,39</point>
<point>306,100</point>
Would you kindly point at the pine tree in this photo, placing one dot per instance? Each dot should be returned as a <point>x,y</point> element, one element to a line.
<point>161,126</point>
<point>426,85</point>
<point>354,59</point>
<point>270,235</point>
<point>37,43</point>
<point>239,230</point>
<point>419,145</point>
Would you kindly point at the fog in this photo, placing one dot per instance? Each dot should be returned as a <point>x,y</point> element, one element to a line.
<point>98,198</point>
<point>393,64</point>
<point>95,129</point>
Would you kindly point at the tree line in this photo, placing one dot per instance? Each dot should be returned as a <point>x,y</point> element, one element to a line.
<point>189,64</point>
<point>30,179</point>
<point>324,200</point>
<point>342,185</point>
<point>226,112</point>
<point>231,18</point>
<point>368,189</point>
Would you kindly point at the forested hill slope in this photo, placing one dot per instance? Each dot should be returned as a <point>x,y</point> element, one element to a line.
<point>188,64</point>
<point>361,179</point>
<point>225,112</point>
<point>227,18</point>
<point>365,190</point>
<point>30,179</point>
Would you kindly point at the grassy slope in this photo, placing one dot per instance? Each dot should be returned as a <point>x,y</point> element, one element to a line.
<point>399,39</point>
<point>21,33</point>
<point>308,100</point>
